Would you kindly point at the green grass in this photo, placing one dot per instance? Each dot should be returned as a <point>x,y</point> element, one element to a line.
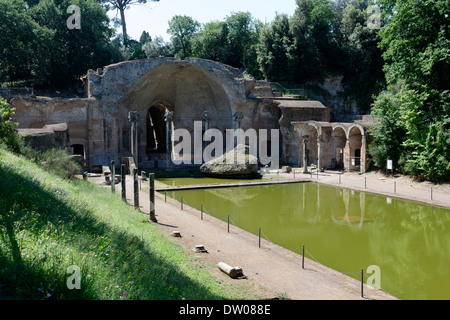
<point>48,224</point>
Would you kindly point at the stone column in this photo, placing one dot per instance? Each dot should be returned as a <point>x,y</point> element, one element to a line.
<point>320,141</point>
<point>206,119</point>
<point>133,117</point>
<point>362,164</point>
<point>347,156</point>
<point>305,160</point>
<point>238,117</point>
<point>205,126</point>
<point>113,176</point>
<point>169,119</point>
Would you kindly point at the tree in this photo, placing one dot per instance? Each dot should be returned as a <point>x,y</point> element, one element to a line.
<point>71,52</point>
<point>121,5</point>
<point>134,49</point>
<point>242,37</point>
<point>311,27</point>
<point>145,37</point>
<point>231,42</point>
<point>157,48</point>
<point>416,41</point>
<point>211,42</point>
<point>8,135</point>
<point>360,58</point>
<point>274,48</point>
<point>182,30</point>
<point>388,132</point>
<point>23,53</point>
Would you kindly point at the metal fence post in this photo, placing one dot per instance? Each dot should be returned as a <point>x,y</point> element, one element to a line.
<point>136,189</point>
<point>259,238</point>
<point>113,176</point>
<point>124,185</point>
<point>152,216</point>
<point>303,257</point>
<point>362,283</point>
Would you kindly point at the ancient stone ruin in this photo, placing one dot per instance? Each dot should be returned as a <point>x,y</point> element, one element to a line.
<point>132,108</point>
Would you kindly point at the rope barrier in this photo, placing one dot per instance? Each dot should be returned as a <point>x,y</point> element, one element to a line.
<point>348,273</point>
<point>378,288</point>
<point>265,236</point>
<point>234,223</point>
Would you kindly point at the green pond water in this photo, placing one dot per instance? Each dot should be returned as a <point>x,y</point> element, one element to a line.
<point>345,230</point>
<point>200,180</point>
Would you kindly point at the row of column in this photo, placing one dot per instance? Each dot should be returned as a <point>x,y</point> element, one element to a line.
<point>133,118</point>
<point>320,142</point>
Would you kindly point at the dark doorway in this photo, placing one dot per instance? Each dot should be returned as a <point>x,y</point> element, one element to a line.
<point>357,157</point>
<point>156,130</point>
<point>78,149</point>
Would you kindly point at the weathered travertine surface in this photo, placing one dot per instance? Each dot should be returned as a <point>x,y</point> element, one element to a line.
<point>235,163</point>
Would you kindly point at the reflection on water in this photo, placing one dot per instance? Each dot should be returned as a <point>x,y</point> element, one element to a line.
<point>346,230</point>
<point>199,180</point>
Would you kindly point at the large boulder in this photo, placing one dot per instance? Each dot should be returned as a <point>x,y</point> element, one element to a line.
<point>243,164</point>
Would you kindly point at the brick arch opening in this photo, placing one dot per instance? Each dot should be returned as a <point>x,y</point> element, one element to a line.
<point>186,90</point>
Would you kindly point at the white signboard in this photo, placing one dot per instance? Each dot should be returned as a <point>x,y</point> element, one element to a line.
<point>389,165</point>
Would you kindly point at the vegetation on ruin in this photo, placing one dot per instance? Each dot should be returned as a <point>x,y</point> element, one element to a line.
<point>49,224</point>
<point>8,135</point>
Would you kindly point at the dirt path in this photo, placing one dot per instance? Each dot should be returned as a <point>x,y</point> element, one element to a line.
<point>270,269</point>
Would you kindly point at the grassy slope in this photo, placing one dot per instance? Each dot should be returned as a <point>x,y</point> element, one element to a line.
<point>48,224</point>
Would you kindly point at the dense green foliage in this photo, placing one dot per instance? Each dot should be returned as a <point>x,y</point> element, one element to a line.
<point>38,47</point>
<point>182,29</point>
<point>414,111</point>
<point>8,137</point>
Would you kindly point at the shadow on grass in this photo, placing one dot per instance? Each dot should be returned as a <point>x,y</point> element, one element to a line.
<point>28,211</point>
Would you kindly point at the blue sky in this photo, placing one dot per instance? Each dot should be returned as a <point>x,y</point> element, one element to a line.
<point>153,17</point>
